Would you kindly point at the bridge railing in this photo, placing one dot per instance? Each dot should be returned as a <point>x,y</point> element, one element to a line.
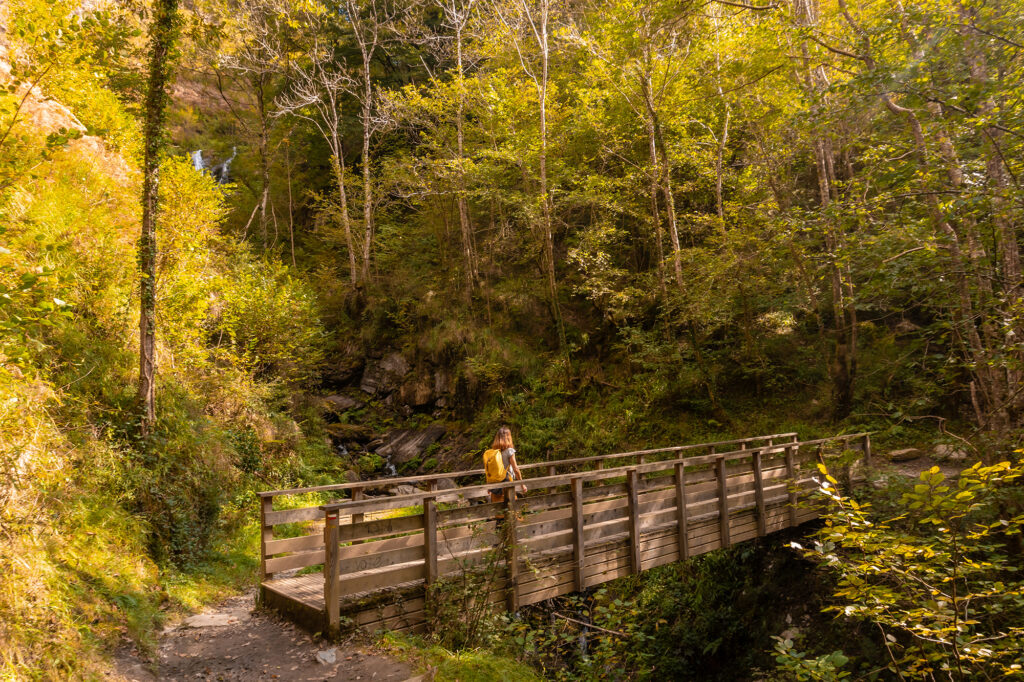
<point>579,529</point>
<point>279,553</point>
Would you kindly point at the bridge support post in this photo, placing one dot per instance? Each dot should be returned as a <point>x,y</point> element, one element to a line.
<point>681,513</point>
<point>357,494</point>
<point>632,483</point>
<point>865,446</point>
<point>331,574</point>
<point>791,474</point>
<point>430,539</point>
<point>759,494</point>
<point>578,545</point>
<point>512,550</point>
<point>723,503</point>
<point>266,535</point>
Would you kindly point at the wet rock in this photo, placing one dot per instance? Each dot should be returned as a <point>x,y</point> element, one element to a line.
<point>904,455</point>
<point>404,490</point>
<point>404,445</point>
<point>341,403</point>
<point>350,432</point>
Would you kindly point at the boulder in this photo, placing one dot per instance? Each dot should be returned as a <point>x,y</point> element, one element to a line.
<point>341,403</point>
<point>395,364</point>
<point>945,452</point>
<point>350,432</point>
<point>904,455</point>
<point>404,445</point>
<point>417,392</point>
<point>384,376</point>
<point>445,484</point>
<point>351,476</point>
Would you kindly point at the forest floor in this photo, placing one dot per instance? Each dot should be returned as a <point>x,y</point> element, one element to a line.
<point>235,641</point>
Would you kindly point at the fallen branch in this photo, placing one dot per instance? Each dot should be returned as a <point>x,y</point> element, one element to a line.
<point>589,625</point>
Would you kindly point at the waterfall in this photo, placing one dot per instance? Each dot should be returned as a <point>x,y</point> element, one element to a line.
<point>221,172</point>
<point>197,160</point>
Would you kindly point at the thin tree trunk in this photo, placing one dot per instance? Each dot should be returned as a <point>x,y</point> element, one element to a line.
<point>464,222</point>
<point>666,180</point>
<point>548,236</point>
<point>346,221</point>
<point>655,211</point>
<point>162,34</point>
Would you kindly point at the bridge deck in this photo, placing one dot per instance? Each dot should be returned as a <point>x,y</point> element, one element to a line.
<point>572,531</point>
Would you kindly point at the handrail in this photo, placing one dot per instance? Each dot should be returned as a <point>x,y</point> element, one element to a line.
<point>360,485</point>
<point>399,501</point>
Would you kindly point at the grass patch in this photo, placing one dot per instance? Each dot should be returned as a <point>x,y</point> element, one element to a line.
<point>470,665</point>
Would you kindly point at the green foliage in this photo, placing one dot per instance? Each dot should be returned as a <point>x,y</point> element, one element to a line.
<point>796,665</point>
<point>940,580</point>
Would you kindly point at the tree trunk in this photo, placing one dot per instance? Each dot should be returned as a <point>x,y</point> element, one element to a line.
<point>666,180</point>
<point>548,235</point>
<point>162,34</point>
<point>469,258</point>
<point>346,222</point>
<point>367,178</point>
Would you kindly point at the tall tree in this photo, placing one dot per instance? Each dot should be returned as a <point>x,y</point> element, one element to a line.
<point>162,35</point>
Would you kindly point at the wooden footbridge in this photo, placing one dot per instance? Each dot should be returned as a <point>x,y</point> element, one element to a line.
<point>367,562</point>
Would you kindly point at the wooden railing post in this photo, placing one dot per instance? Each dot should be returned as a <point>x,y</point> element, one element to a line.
<point>578,542</point>
<point>681,514</point>
<point>357,494</point>
<point>512,550</point>
<point>865,446</point>
<point>432,485</point>
<point>791,474</point>
<point>332,577</point>
<point>632,483</point>
<point>430,539</point>
<point>759,494</point>
<point>723,502</point>
<point>266,535</point>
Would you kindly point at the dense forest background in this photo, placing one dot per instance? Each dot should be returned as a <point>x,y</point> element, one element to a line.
<point>610,224</point>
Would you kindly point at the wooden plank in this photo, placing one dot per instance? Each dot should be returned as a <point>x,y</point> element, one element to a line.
<point>634,520</point>
<point>377,545</point>
<point>286,563</point>
<point>380,527</point>
<point>681,515</point>
<point>358,583</point>
<point>430,539</point>
<point>759,492</point>
<point>376,561</point>
<point>331,591</point>
<point>275,518</point>
<point>723,502</point>
<point>579,553</point>
<point>473,513</point>
<point>266,535</point>
<point>302,543</point>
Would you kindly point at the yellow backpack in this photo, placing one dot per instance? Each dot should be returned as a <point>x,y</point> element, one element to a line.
<point>494,466</point>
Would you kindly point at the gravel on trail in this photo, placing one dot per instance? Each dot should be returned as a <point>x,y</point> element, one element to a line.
<point>233,641</point>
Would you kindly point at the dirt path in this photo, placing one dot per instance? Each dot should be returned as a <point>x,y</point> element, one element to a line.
<point>234,642</point>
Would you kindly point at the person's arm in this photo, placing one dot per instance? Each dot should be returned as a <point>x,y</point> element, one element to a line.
<point>515,468</point>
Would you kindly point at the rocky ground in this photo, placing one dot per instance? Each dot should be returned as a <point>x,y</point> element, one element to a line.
<point>235,642</point>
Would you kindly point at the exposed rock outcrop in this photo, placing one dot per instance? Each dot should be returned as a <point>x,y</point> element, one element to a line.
<point>404,445</point>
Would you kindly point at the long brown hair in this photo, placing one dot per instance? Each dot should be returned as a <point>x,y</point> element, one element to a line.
<point>503,439</point>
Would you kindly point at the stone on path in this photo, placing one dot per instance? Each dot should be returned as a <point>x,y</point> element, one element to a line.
<point>327,656</point>
<point>904,455</point>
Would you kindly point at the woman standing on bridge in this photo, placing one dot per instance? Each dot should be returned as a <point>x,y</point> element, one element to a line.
<point>503,443</point>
